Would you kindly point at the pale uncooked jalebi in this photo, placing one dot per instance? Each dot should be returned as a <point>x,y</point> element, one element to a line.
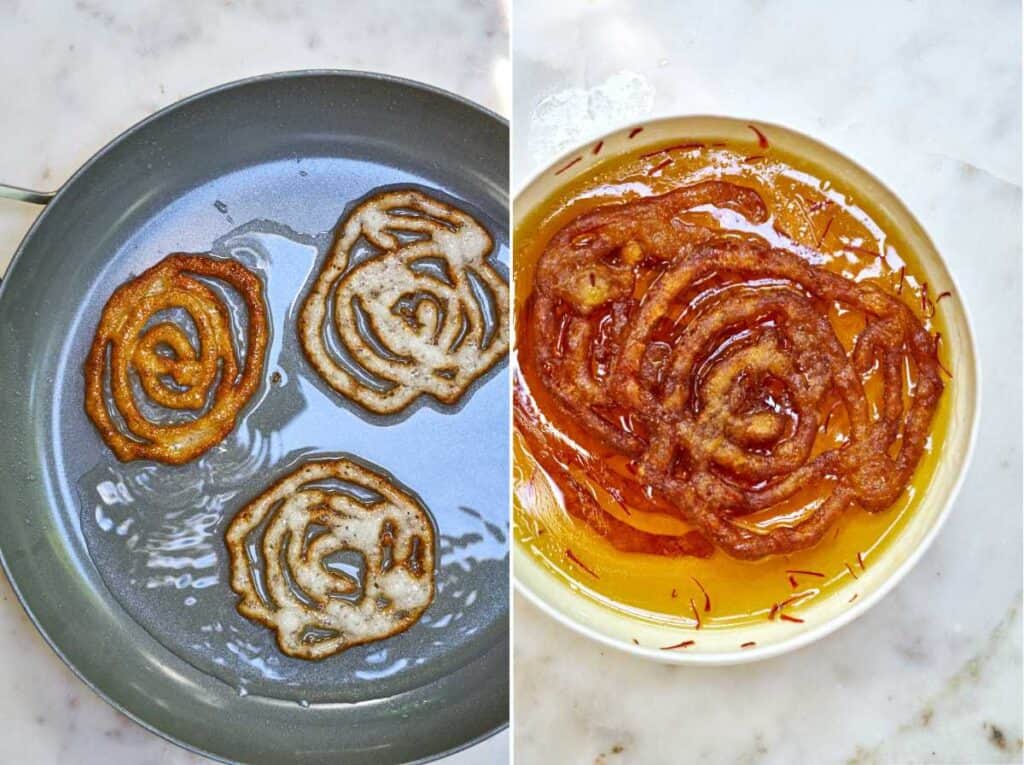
<point>426,314</point>
<point>281,545</point>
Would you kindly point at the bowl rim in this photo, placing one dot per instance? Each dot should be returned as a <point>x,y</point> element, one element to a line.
<point>855,610</point>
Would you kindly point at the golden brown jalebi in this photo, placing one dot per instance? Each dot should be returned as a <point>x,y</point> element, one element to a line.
<point>282,542</point>
<point>410,319</point>
<point>205,381</point>
<point>707,361</point>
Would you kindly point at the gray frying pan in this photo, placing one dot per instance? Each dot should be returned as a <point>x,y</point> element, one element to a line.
<point>122,566</point>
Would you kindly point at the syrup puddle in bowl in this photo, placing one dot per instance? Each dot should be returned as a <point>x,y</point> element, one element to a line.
<point>811,218</point>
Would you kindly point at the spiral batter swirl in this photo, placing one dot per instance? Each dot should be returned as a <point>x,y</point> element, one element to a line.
<point>707,360</point>
<point>282,544</point>
<point>427,314</point>
<point>138,340</point>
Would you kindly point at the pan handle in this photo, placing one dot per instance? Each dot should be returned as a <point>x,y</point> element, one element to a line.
<point>26,195</point>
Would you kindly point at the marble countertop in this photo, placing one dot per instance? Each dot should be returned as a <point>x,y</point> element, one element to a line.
<point>75,74</point>
<point>927,96</point>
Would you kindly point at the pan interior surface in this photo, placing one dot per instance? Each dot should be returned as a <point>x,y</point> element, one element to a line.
<point>123,565</point>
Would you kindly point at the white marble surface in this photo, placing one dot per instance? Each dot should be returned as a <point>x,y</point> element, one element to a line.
<point>75,74</point>
<point>926,95</point>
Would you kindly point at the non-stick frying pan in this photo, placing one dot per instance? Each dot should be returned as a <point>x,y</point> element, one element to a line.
<point>122,566</point>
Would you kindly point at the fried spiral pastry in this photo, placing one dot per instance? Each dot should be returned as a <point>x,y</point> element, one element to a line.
<point>137,340</point>
<point>281,545</point>
<point>707,361</point>
<point>410,320</point>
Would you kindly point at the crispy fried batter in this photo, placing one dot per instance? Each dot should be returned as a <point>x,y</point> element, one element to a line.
<point>705,358</point>
<point>409,318</point>
<point>206,379</point>
<point>280,545</point>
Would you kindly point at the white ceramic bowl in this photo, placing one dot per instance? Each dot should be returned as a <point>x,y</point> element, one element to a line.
<point>617,629</point>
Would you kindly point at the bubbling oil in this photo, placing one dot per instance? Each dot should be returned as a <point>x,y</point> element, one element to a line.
<point>813,217</point>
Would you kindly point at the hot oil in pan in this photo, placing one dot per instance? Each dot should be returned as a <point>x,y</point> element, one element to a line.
<point>155,532</point>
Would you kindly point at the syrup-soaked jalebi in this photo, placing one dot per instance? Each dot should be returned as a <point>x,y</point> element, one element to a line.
<point>704,362</point>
